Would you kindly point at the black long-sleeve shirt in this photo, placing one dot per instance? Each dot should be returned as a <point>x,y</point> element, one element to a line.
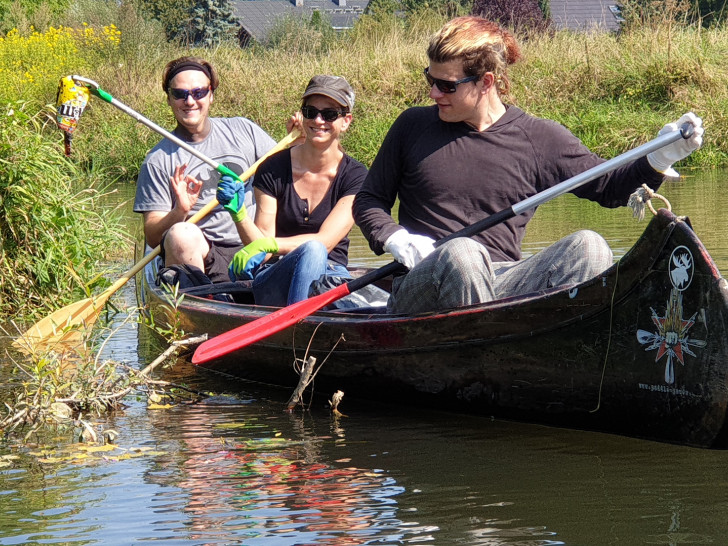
<point>448,176</point>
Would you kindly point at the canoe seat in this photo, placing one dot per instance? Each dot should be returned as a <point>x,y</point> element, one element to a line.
<point>239,291</point>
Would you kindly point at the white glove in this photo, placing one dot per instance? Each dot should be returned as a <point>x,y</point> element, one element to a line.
<point>408,249</point>
<point>661,160</point>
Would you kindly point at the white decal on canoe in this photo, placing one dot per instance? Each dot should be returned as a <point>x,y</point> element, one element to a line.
<point>681,268</point>
<point>671,338</point>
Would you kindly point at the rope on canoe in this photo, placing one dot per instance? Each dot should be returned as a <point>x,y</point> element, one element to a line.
<point>641,197</point>
<point>609,340</point>
<point>637,201</point>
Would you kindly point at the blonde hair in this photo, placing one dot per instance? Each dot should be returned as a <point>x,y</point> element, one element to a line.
<point>482,45</point>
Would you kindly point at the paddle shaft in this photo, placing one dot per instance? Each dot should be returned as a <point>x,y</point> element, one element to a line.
<point>103,95</point>
<point>85,311</point>
<point>252,332</point>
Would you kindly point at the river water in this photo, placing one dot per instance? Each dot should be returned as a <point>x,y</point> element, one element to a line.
<point>237,469</point>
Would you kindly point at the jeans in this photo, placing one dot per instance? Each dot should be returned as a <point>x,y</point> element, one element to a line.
<point>287,281</point>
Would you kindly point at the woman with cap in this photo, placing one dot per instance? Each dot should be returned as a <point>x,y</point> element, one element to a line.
<point>304,198</point>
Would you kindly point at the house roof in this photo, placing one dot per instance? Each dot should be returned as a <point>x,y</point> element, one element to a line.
<point>585,14</point>
<point>258,17</point>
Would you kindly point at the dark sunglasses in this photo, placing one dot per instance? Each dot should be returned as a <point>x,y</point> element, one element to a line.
<point>182,94</point>
<point>327,114</point>
<point>447,86</point>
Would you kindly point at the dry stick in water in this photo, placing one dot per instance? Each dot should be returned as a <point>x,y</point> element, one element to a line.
<point>307,373</point>
<point>157,361</point>
<point>334,403</point>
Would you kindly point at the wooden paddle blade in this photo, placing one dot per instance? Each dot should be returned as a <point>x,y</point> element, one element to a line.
<point>64,327</point>
<point>252,332</point>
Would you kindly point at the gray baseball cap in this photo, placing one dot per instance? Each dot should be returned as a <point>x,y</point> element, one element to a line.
<point>334,87</point>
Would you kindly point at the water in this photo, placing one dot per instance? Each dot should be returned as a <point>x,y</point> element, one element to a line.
<point>237,469</point>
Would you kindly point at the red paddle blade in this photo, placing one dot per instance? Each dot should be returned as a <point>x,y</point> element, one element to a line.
<point>252,332</point>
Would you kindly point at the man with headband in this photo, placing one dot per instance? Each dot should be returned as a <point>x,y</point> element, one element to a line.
<point>173,184</point>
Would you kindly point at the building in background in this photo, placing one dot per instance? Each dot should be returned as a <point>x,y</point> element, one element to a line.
<point>258,17</point>
<point>585,15</point>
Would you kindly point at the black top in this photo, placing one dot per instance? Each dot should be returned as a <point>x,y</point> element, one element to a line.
<point>448,176</point>
<point>293,217</point>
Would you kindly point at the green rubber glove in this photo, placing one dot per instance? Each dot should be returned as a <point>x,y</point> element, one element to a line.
<point>248,259</point>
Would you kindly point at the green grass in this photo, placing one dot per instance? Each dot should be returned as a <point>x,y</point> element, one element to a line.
<point>54,225</point>
<point>613,92</point>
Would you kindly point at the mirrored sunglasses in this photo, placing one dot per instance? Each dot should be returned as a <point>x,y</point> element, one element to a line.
<point>182,94</point>
<point>327,114</point>
<point>447,86</point>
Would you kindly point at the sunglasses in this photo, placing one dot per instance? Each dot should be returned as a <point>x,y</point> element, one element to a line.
<point>327,114</point>
<point>447,86</point>
<point>197,93</point>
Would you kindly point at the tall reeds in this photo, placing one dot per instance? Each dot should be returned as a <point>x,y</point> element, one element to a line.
<point>55,227</point>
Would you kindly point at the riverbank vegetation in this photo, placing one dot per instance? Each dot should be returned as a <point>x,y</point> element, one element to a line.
<point>613,91</point>
<point>56,223</point>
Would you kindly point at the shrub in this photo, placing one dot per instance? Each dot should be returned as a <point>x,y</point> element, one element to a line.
<point>26,14</point>
<point>30,66</point>
<point>519,15</point>
<point>54,227</point>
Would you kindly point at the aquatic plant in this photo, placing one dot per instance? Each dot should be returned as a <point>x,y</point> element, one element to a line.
<point>62,390</point>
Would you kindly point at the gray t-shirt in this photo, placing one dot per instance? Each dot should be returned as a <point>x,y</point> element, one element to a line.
<point>236,143</point>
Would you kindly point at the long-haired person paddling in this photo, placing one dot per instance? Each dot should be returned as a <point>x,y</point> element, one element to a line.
<point>304,197</point>
<point>471,155</point>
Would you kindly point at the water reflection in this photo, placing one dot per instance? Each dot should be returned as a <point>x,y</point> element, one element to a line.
<point>237,469</point>
<point>244,478</point>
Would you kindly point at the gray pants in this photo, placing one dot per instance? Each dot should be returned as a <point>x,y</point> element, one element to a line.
<point>460,272</point>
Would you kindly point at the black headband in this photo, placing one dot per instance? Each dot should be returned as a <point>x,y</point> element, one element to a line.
<point>187,65</point>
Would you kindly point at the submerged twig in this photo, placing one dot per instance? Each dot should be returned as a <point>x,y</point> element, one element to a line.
<point>334,403</point>
<point>86,386</point>
<point>307,371</point>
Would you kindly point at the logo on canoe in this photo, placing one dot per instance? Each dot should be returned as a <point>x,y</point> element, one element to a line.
<point>681,268</point>
<point>671,339</point>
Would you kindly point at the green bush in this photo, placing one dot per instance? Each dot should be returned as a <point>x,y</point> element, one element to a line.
<point>55,228</point>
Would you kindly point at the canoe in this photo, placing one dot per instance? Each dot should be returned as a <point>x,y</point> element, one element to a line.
<point>641,350</point>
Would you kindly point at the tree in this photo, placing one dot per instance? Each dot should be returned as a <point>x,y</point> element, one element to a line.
<point>172,14</point>
<point>514,14</point>
<point>210,22</point>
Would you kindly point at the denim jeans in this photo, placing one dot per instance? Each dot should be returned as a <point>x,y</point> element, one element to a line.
<point>287,281</point>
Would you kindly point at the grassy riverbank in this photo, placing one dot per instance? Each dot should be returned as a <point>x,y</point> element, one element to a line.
<point>614,92</point>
